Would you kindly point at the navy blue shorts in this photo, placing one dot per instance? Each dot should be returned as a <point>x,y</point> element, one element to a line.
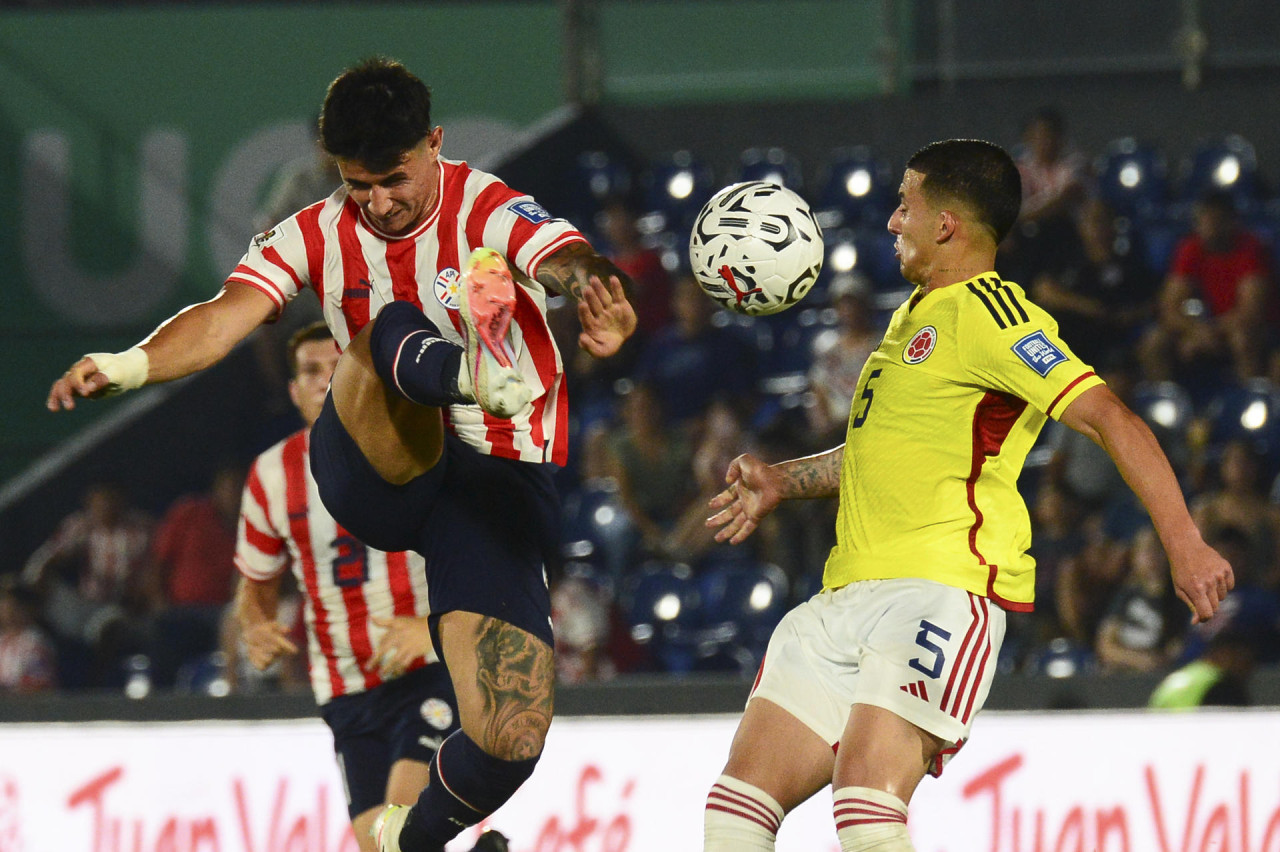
<point>405,718</point>
<point>488,527</point>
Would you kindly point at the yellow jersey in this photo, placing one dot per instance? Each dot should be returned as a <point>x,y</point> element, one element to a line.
<point>947,408</point>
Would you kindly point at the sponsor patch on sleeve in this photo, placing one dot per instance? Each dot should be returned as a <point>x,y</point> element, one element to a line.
<point>531,210</point>
<point>266,238</point>
<point>1038,353</point>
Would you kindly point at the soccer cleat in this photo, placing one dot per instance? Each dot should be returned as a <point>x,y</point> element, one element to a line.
<point>385,830</point>
<point>491,841</point>
<point>490,373</point>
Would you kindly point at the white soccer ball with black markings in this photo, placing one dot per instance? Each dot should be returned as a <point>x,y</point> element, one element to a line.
<point>756,248</point>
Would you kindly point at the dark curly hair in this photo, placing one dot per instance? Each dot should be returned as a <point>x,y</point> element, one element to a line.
<point>374,112</point>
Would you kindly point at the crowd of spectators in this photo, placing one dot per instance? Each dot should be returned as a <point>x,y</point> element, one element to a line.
<point>1188,338</point>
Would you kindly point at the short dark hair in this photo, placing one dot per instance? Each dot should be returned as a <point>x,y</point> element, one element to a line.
<point>978,174</point>
<point>1218,200</point>
<point>374,112</point>
<point>306,334</point>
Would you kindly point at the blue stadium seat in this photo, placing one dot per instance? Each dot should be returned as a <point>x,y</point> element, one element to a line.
<point>1247,412</point>
<point>661,605</point>
<point>598,529</point>
<point>855,188</point>
<point>740,604</point>
<point>1166,405</point>
<point>1229,163</point>
<point>1133,178</point>
<point>674,189</point>
<point>596,177</point>
<point>773,165</point>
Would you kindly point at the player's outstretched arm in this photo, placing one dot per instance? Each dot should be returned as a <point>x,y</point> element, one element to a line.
<point>265,638</point>
<point>1201,576</point>
<point>195,338</point>
<point>755,489</point>
<point>606,315</point>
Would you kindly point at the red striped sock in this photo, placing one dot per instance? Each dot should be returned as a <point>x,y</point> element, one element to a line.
<point>740,816</point>
<point>868,819</point>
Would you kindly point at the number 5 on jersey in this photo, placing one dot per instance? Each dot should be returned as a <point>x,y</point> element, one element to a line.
<point>867,394</point>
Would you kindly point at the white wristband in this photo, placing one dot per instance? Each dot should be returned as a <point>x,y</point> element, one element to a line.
<point>126,370</point>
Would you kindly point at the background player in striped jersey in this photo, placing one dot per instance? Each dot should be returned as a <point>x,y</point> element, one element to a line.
<point>379,684</point>
<point>876,680</point>
<point>430,322</point>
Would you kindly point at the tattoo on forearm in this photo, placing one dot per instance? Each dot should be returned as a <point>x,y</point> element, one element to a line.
<point>516,678</point>
<point>815,476</point>
<point>568,270</point>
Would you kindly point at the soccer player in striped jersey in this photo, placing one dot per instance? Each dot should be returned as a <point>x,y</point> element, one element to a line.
<point>875,681</point>
<point>447,412</point>
<point>379,684</point>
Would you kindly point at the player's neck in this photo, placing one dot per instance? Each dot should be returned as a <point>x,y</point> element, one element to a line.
<point>958,268</point>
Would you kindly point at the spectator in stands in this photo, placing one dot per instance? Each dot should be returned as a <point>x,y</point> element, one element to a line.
<point>1143,626</point>
<point>593,641</point>
<point>1252,607</point>
<point>1217,307</point>
<point>692,362</point>
<point>28,662</point>
<point>1217,678</point>
<point>1221,656</point>
<point>95,579</point>
<point>652,464</point>
<point>724,437</point>
<point>1055,180</point>
<point>1056,540</point>
<point>838,356</point>
<point>596,381</point>
<point>622,244</point>
<point>1101,296</point>
<point>1087,581</point>
<point>193,551</point>
<point>1239,500</point>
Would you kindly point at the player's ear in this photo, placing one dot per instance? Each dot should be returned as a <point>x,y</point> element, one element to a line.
<point>948,223</point>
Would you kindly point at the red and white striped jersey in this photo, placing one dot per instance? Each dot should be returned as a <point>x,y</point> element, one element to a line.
<point>355,269</point>
<point>345,585</point>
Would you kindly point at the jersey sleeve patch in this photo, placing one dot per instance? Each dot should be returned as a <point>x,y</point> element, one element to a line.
<point>530,210</point>
<point>266,238</point>
<point>1038,353</point>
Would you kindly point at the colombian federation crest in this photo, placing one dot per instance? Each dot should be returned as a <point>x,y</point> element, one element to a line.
<point>920,346</point>
<point>437,713</point>
<point>446,288</point>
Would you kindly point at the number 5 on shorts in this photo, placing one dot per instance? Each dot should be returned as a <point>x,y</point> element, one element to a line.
<point>939,656</point>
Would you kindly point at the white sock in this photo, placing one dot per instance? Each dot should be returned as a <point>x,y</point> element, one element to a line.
<point>870,820</point>
<point>740,817</point>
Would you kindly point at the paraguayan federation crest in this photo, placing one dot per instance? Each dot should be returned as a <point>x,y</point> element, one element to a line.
<point>446,288</point>
<point>437,713</point>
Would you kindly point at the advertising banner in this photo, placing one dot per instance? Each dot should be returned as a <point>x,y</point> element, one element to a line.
<point>1092,782</point>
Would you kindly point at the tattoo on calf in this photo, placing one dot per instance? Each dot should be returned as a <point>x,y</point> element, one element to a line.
<point>516,676</point>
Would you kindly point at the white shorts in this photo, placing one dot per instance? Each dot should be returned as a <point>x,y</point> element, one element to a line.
<point>919,649</point>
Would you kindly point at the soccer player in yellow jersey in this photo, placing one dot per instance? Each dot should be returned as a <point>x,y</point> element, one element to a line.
<point>876,680</point>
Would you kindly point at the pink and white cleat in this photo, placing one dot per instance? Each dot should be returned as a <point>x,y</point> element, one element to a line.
<point>490,373</point>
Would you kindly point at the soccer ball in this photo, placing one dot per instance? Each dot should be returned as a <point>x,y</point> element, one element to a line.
<point>756,248</point>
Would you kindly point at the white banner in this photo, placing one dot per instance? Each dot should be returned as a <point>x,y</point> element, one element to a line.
<point>1078,782</point>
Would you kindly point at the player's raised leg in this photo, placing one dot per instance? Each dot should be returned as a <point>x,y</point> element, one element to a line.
<point>504,680</point>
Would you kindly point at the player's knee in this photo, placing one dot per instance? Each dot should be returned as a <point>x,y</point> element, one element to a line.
<point>870,820</point>
<point>480,780</point>
<point>740,816</point>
